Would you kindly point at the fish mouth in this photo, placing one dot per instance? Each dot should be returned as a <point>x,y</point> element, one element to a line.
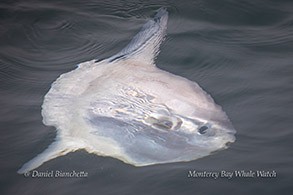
<point>230,136</point>
<point>228,144</point>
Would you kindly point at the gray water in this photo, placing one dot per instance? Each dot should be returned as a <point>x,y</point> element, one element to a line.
<point>240,52</point>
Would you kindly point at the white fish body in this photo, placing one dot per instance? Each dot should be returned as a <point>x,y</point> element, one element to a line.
<point>127,108</point>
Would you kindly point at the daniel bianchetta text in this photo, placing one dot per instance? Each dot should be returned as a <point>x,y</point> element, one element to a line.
<point>56,174</point>
<point>232,174</point>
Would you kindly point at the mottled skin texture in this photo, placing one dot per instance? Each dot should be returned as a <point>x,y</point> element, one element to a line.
<point>127,108</point>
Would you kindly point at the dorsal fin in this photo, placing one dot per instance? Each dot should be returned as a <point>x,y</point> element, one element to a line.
<point>145,45</point>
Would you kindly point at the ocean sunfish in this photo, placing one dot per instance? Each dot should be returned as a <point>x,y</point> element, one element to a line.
<point>126,108</point>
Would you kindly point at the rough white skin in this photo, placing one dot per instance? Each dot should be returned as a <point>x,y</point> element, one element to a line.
<point>129,109</point>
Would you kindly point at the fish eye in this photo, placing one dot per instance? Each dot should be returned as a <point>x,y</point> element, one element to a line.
<point>203,129</point>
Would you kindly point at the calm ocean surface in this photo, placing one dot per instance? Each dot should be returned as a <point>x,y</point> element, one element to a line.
<point>240,52</point>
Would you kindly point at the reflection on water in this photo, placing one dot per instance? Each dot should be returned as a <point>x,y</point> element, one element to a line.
<point>239,51</point>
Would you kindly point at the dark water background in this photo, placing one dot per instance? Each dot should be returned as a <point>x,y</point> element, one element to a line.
<point>241,52</point>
